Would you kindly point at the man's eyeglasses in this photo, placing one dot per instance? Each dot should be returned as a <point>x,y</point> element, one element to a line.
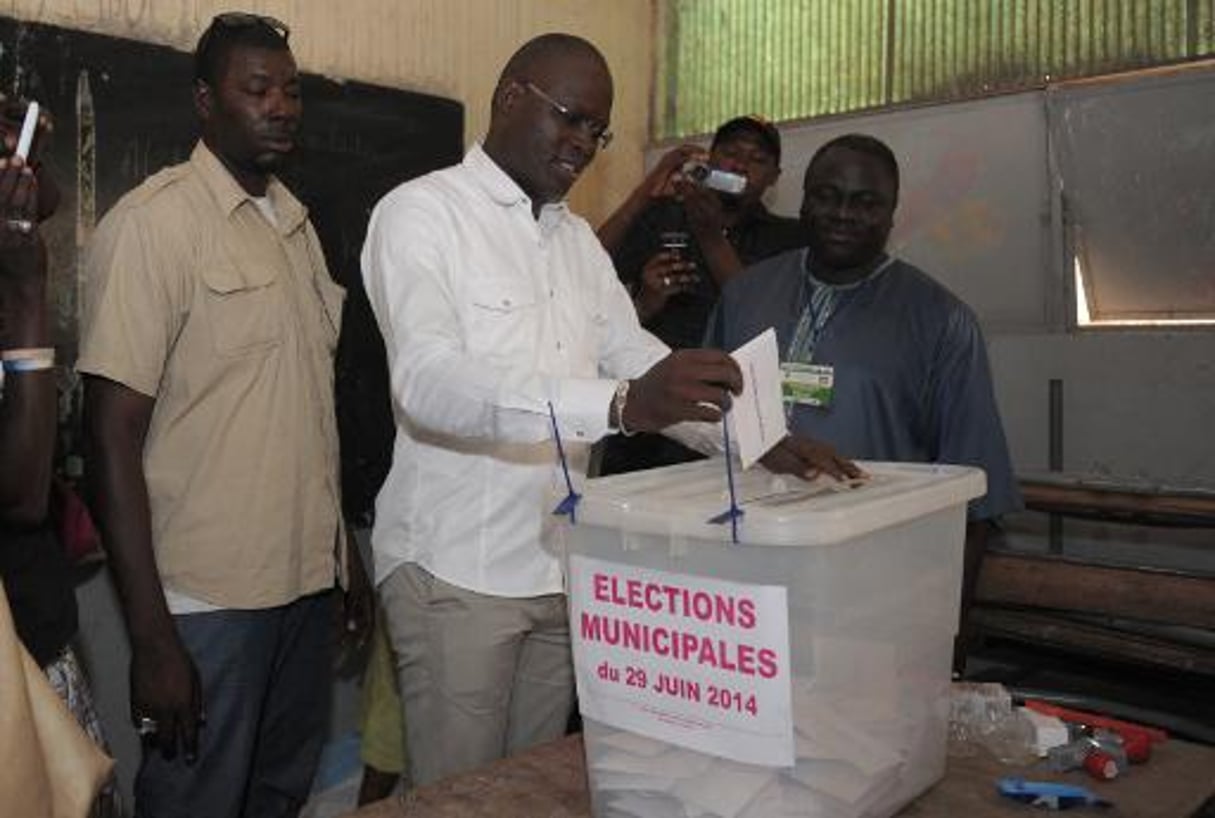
<point>598,131</point>
<point>241,19</point>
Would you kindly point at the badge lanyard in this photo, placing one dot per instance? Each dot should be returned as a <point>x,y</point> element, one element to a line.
<point>804,383</point>
<point>818,309</point>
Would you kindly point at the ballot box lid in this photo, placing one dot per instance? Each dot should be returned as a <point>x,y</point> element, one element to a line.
<point>684,500</point>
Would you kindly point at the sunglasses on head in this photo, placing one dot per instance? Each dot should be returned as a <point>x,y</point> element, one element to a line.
<point>242,19</point>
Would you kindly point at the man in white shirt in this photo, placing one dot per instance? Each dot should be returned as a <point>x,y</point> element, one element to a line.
<point>502,315</point>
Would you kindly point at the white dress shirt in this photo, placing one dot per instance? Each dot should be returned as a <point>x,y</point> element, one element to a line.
<point>488,316</point>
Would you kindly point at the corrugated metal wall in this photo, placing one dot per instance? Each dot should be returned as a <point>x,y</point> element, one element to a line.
<point>783,59</point>
<point>790,59</point>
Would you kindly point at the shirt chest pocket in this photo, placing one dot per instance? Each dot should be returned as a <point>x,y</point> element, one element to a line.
<point>244,308</point>
<point>503,317</point>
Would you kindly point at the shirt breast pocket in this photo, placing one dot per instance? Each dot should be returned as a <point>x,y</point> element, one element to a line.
<point>503,319</point>
<point>244,309</point>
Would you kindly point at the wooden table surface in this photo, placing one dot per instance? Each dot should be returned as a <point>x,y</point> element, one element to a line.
<point>550,782</point>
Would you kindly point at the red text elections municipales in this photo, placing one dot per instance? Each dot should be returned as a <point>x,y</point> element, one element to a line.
<point>678,602</point>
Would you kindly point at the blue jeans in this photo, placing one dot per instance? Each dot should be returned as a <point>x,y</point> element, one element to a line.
<point>266,681</point>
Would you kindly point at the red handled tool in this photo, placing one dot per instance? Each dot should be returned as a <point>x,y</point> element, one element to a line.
<point>1137,739</point>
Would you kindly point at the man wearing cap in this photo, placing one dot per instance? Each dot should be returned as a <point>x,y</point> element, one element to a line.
<point>675,289</point>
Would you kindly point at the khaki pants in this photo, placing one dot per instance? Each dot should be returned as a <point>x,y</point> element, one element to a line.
<point>481,677</point>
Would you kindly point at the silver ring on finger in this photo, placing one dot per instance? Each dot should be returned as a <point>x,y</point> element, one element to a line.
<point>22,226</point>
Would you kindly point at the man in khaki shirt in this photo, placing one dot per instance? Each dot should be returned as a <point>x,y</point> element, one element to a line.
<point>207,349</point>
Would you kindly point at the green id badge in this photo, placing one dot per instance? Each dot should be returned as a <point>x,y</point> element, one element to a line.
<point>807,384</point>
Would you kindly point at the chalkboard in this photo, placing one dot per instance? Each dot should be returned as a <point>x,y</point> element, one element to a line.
<point>123,110</point>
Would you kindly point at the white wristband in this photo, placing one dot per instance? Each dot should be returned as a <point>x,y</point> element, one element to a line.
<point>33,359</point>
<point>27,365</point>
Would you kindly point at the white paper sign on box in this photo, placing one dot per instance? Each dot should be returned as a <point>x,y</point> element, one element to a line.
<point>695,662</point>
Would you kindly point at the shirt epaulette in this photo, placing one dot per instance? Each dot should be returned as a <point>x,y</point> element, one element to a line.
<point>155,184</point>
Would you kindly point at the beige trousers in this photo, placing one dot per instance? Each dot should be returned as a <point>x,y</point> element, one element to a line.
<point>481,677</point>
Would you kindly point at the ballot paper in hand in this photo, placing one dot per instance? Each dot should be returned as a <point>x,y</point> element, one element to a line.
<point>757,415</point>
